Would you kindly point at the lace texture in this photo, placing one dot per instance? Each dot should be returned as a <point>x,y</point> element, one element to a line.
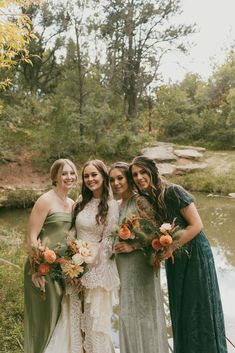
<point>90,330</point>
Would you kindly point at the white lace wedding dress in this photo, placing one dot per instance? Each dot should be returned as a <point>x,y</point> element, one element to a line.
<point>90,331</point>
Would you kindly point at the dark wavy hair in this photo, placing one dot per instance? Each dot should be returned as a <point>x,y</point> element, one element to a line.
<point>158,184</point>
<point>125,170</point>
<point>87,194</point>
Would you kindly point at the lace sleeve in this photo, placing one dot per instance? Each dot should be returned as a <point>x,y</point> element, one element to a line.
<point>145,209</point>
<point>103,272</point>
<point>110,225</point>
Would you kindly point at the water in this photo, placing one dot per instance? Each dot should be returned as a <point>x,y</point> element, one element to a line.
<point>218,215</point>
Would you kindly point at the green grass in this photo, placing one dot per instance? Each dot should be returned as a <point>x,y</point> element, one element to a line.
<point>12,257</point>
<point>206,181</point>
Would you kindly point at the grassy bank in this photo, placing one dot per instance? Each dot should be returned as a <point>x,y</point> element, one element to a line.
<point>207,181</point>
<point>12,257</point>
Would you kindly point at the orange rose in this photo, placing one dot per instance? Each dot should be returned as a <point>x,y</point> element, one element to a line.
<point>156,244</point>
<point>49,256</point>
<point>166,240</point>
<point>61,260</point>
<point>124,232</point>
<point>44,269</point>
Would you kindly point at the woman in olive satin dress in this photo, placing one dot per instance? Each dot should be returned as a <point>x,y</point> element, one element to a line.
<point>49,221</point>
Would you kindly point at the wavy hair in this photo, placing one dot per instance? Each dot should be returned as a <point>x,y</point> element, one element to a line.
<point>158,184</point>
<point>86,194</point>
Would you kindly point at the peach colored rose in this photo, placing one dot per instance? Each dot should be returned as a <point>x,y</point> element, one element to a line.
<point>165,228</point>
<point>156,244</point>
<point>166,240</point>
<point>49,256</point>
<point>61,260</point>
<point>44,269</point>
<point>124,232</point>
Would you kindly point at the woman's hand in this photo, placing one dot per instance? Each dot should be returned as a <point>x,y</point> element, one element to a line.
<point>123,247</point>
<point>39,281</point>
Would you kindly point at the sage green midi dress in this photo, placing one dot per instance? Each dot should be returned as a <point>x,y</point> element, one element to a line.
<point>142,325</point>
<point>41,316</point>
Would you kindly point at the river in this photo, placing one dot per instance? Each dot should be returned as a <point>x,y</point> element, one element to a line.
<point>218,215</point>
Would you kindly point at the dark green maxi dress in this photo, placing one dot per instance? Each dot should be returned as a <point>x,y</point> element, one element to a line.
<point>194,296</point>
<point>41,316</point>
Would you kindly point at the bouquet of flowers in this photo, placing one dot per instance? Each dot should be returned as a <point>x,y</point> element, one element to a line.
<point>135,230</point>
<point>43,259</point>
<point>64,264</point>
<point>75,259</point>
<point>166,235</point>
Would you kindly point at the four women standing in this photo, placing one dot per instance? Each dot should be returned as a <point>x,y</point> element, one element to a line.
<point>85,326</point>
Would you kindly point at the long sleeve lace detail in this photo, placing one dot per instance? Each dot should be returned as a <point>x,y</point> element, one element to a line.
<point>101,281</point>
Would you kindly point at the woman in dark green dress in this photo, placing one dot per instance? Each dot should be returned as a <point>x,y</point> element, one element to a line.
<point>194,297</point>
<point>49,221</point>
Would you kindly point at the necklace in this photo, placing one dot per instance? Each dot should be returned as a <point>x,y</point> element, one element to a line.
<point>63,199</point>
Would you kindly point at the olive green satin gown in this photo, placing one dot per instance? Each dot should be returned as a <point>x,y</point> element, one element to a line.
<point>41,315</point>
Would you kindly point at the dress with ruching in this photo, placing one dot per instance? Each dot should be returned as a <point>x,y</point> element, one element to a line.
<point>142,325</point>
<point>88,327</point>
<point>41,315</point>
<point>194,296</point>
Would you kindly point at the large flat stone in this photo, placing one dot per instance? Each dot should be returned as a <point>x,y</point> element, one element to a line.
<point>166,168</point>
<point>188,153</point>
<point>189,168</point>
<point>160,153</point>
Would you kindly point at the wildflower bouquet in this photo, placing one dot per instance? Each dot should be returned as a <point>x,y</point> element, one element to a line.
<point>64,264</point>
<point>42,259</point>
<point>75,259</point>
<point>166,235</point>
<point>135,230</point>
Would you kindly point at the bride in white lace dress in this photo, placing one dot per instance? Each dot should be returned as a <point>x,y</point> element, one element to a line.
<point>86,327</point>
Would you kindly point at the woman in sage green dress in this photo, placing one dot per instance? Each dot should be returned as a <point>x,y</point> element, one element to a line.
<point>194,296</point>
<point>142,326</point>
<point>49,221</point>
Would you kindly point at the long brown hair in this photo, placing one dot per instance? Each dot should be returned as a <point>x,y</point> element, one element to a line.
<point>87,194</point>
<point>158,184</point>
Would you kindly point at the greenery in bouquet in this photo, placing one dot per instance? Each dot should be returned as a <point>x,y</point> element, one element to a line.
<point>135,230</point>
<point>165,236</point>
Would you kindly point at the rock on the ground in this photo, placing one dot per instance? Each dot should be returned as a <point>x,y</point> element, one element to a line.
<point>189,168</point>
<point>160,153</point>
<point>232,194</point>
<point>166,168</point>
<point>188,153</point>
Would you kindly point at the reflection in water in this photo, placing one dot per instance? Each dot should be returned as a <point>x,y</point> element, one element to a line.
<point>218,215</point>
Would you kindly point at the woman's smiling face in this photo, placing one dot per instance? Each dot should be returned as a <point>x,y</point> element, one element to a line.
<point>141,177</point>
<point>118,181</point>
<point>93,180</point>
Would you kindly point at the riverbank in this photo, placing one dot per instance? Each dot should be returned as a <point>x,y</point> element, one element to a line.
<point>21,183</point>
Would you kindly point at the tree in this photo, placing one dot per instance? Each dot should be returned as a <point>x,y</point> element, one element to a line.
<point>15,34</point>
<point>50,23</point>
<point>138,33</point>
